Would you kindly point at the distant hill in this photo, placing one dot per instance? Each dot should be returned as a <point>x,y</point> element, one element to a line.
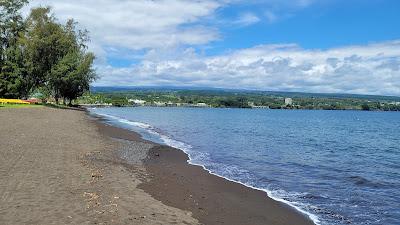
<point>208,90</point>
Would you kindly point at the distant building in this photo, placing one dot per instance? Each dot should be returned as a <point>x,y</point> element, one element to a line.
<point>171,104</point>
<point>137,102</point>
<point>201,104</point>
<point>288,101</point>
<point>394,103</point>
<point>260,107</point>
<point>160,104</point>
<point>252,105</point>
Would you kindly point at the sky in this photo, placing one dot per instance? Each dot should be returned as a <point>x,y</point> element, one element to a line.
<point>323,46</point>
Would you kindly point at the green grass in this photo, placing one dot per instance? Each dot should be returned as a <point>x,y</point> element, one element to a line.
<point>4,106</point>
<point>13,106</point>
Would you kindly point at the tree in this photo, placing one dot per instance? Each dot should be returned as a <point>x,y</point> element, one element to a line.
<point>13,74</point>
<point>46,44</point>
<point>73,73</point>
<point>72,76</point>
<point>58,55</point>
<point>365,107</point>
<point>40,54</point>
<point>11,23</point>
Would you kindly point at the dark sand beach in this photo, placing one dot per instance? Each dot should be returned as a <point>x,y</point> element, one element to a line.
<point>211,199</point>
<point>65,167</point>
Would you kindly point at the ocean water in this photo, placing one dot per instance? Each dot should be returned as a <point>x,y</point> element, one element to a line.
<point>338,167</point>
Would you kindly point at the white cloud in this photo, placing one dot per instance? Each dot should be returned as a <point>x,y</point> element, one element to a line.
<point>369,69</point>
<point>148,24</point>
<point>139,24</point>
<point>158,35</point>
<point>247,19</point>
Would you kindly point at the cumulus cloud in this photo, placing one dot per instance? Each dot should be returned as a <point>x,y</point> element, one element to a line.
<point>139,24</point>
<point>161,38</point>
<point>149,24</point>
<point>368,69</point>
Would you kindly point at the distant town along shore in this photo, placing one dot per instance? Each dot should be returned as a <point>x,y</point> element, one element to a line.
<point>238,99</point>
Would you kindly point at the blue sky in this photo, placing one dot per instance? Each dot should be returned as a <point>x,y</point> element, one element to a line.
<point>324,24</point>
<point>284,45</point>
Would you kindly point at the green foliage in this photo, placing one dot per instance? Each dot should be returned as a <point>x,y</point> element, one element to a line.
<point>365,107</point>
<point>243,99</point>
<point>72,75</point>
<point>44,44</point>
<point>40,54</point>
<point>13,73</point>
<point>4,106</point>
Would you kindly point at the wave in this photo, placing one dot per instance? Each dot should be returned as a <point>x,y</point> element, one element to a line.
<point>196,158</point>
<point>362,181</point>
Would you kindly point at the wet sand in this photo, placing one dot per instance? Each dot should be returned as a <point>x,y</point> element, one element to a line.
<point>212,199</point>
<point>64,167</point>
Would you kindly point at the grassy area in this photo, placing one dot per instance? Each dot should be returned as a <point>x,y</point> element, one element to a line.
<point>3,106</point>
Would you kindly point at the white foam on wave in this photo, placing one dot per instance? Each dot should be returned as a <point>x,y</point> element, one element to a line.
<point>277,195</point>
<point>272,194</point>
<point>144,126</point>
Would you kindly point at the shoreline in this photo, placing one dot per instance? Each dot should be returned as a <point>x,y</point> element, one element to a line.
<point>211,198</point>
<point>249,108</point>
<point>308,215</point>
<point>62,166</point>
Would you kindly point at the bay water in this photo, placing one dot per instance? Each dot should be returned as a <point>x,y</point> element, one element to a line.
<point>337,167</point>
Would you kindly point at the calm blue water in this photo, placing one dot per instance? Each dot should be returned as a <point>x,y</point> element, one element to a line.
<point>341,167</point>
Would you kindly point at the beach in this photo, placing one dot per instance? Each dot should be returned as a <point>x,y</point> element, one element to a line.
<point>61,166</point>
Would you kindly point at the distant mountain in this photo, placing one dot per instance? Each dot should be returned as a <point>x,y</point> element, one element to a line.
<point>105,89</point>
<point>150,88</point>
